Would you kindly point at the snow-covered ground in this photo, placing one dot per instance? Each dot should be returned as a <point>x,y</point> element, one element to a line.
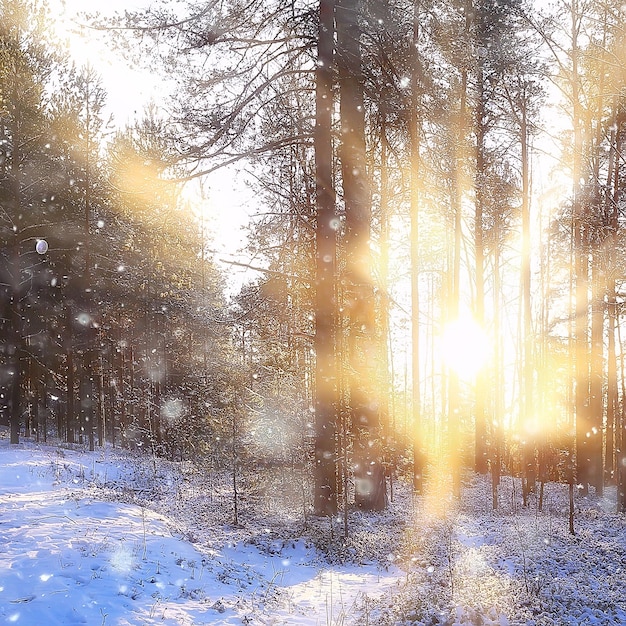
<point>470,565</point>
<point>70,554</point>
<point>113,539</point>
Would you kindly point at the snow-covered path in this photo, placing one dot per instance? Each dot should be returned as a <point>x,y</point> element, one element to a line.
<point>67,558</point>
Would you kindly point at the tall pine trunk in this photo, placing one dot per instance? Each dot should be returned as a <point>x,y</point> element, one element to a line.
<point>480,446</point>
<point>386,388</point>
<point>325,498</point>
<point>612,402</point>
<point>454,402</point>
<point>527,395</point>
<point>364,341</point>
<point>580,314</point>
<point>620,426</point>
<point>16,342</point>
<point>419,453</point>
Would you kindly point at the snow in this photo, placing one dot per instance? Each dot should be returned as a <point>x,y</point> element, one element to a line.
<point>68,556</point>
<point>113,538</point>
<point>514,566</point>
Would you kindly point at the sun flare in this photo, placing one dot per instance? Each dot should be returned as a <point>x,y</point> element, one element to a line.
<point>464,346</point>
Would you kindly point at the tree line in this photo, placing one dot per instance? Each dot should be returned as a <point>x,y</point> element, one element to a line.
<point>112,314</point>
<point>407,143</point>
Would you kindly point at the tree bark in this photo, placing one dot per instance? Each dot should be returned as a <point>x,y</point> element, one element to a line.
<point>581,322</point>
<point>15,270</point>
<point>364,343</point>
<point>325,498</point>
<point>418,444</point>
<point>480,449</point>
<point>611,391</point>
<point>454,403</point>
<point>529,436</point>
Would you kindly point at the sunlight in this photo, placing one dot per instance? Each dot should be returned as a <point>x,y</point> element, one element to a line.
<point>532,426</point>
<point>129,88</point>
<point>220,205</point>
<point>464,346</point>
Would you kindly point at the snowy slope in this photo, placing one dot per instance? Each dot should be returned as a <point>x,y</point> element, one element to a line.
<point>67,557</point>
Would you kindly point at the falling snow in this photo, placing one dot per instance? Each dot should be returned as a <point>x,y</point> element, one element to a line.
<point>42,246</point>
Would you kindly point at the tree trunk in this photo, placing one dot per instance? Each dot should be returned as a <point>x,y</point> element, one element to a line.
<point>87,398</point>
<point>454,405</point>
<point>386,388</point>
<point>364,343</point>
<point>419,452</point>
<point>70,417</point>
<point>611,390</point>
<point>16,345</point>
<point>325,499</point>
<point>596,409</point>
<point>620,432</point>
<point>580,313</point>
<point>497,439</point>
<point>529,435</point>
<point>480,449</point>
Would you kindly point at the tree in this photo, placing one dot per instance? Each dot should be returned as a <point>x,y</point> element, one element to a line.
<point>25,67</point>
<point>364,341</point>
<point>417,81</point>
<point>326,400</point>
<point>225,136</point>
<point>76,126</point>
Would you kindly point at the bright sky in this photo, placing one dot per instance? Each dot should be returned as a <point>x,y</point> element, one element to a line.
<point>130,90</point>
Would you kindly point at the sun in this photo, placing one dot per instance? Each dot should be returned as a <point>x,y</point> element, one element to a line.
<point>464,346</point>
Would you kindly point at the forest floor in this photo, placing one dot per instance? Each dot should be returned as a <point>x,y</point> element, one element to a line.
<point>467,564</point>
<point>111,538</point>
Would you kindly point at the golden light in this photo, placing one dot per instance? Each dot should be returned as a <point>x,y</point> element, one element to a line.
<point>465,346</point>
<point>532,426</point>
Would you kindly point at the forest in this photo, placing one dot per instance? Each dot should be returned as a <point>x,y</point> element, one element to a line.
<point>436,275</point>
<point>422,370</point>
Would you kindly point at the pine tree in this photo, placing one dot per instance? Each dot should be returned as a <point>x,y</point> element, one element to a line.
<point>26,63</point>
